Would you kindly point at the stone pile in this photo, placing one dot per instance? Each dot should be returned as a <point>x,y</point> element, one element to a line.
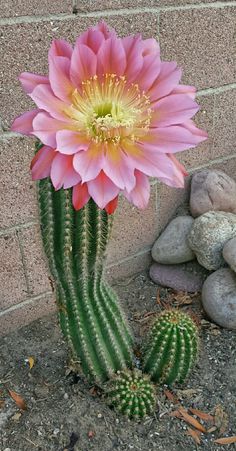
<point>192,246</point>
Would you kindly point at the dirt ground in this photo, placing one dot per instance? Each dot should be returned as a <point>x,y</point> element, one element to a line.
<point>65,413</point>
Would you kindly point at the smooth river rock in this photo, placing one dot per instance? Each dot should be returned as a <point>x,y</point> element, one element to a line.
<point>172,245</point>
<point>219,297</point>
<point>229,253</point>
<point>208,236</point>
<point>183,277</point>
<point>212,190</point>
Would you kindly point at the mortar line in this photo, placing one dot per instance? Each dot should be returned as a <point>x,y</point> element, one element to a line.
<point>23,260</point>
<point>120,12</point>
<point>217,90</point>
<point>212,162</point>
<point>37,297</point>
<point>130,257</point>
<point>17,227</point>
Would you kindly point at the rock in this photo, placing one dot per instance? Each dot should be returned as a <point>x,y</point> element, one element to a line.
<point>229,253</point>
<point>219,297</point>
<point>183,277</point>
<point>209,234</point>
<point>172,245</point>
<point>212,190</point>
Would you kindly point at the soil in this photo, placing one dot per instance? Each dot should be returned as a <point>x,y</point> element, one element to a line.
<point>64,412</point>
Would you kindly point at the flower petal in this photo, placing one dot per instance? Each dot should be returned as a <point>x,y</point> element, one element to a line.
<point>185,89</point>
<point>134,57</point>
<point>60,47</point>
<point>23,124</point>
<point>92,38</point>
<point>102,190</point>
<point>83,64</point>
<point>173,109</point>
<point>62,172</point>
<point>166,81</point>
<point>111,206</point>
<point>119,168</point>
<point>140,195</point>
<point>149,72</point>
<point>45,128</point>
<point>111,57</point>
<point>41,163</point>
<point>150,46</point>
<point>70,142</point>
<point>29,81</point>
<point>59,68</point>
<point>89,163</point>
<point>80,196</point>
<point>44,98</point>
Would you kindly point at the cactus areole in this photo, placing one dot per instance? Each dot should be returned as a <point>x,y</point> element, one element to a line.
<point>109,114</point>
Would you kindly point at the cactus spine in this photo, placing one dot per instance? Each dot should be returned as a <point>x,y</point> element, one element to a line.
<point>89,313</point>
<point>172,347</point>
<point>132,394</point>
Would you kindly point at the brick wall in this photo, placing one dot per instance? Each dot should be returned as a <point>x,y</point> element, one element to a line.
<point>200,35</point>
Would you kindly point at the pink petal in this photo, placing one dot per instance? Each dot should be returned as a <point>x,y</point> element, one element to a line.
<point>171,139</point>
<point>89,163</point>
<point>150,70</point>
<point>23,124</point>
<point>185,89</point>
<point>60,47</point>
<point>199,134</point>
<point>59,68</point>
<point>166,81</point>
<point>41,163</point>
<point>111,57</point>
<point>83,64</point>
<point>150,46</point>
<point>111,206</point>
<point>45,128</point>
<point>63,173</point>
<point>140,195</point>
<point>173,109</point>
<point>118,168</point>
<point>80,196</point>
<point>107,31</point>
<point>44,98</point>
<point>102,190</point>
<point>70,142</point>
<point>30,81</point>
<point>178,165</point>
<point>134,57</point>
<point>92,38</point>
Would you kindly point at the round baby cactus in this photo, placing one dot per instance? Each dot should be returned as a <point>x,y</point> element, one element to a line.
<point>132,393</point>
<point>172,347</point>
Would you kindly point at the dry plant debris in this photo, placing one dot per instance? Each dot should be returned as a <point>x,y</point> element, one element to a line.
<point>20,402</point>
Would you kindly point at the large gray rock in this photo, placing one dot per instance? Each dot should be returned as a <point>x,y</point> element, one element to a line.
<point>219,297</point>
<point>209,234</point>
<point>183,277</point>
<point>229,253</point>
<point>212,190</point>
<point>172,245</point>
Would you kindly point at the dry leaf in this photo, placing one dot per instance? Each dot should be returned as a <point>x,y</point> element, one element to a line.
<point>31,362</point>
<point>221,419</point>
<point>20,402</point>
<point>189,419</point>
<point>204,416</point>
<point>195,435</point>
<point>175,413</point>
<point>213,429</point>
<point>226,440</point>
<point>2,403</point>
<point>16,417</point>
<point>171,396</point>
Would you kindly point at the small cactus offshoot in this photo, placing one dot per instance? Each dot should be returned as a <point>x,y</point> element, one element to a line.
<point>132,393</point>
<point>172,347</point>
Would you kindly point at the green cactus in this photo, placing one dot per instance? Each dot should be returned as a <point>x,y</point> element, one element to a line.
<point>90,316</point>
<point>172,347</point>
<point>132,393</point>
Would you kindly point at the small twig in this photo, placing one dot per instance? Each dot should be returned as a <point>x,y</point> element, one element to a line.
<point>30,441</point>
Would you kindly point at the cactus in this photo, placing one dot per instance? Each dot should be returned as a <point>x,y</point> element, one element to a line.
<point>172,347</point>
<point>132,393</point>
<point>89,313</point>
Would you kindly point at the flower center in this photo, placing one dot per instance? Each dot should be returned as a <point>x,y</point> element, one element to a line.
<point>109,109</point>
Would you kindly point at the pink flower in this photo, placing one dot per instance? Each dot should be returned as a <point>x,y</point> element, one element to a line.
<point>110,114</point>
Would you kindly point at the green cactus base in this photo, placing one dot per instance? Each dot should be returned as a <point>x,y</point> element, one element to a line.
<point>132,394</point>
<point>172,348</point>
<point>90,316</point>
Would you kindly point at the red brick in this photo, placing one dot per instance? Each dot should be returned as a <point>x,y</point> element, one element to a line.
<point>18,193</point>
<point>14,8</point>
<point>202,42</point>
<point>35,261</point>
<point>225,124</point>
<point>133,229</point>
<point>25,313</point>
<point>12,278</point>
